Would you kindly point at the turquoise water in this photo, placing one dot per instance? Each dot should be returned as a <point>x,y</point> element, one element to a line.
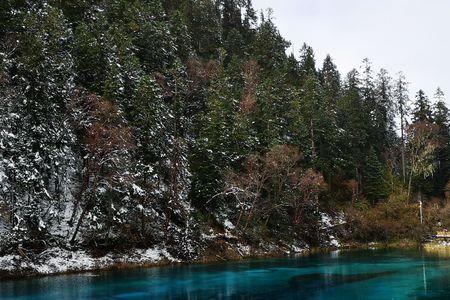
<point>338,275</point>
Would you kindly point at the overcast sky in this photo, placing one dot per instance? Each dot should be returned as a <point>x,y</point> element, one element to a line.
<point>399,35</point>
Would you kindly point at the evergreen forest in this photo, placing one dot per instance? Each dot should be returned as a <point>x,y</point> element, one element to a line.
<point>187,124</point>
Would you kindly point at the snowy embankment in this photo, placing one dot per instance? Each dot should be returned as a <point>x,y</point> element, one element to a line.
<point>227,245</point>
<point>57,260</point>
<point>217,246</point>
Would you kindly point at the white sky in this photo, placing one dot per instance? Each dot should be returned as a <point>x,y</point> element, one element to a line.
<point>399,35</point>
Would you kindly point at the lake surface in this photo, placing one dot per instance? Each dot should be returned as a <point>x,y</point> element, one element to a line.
<point>372,274</point>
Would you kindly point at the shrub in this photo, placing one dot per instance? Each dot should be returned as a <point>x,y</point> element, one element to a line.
<point>388,221</point>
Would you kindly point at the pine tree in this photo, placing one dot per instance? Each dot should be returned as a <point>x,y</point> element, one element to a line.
<point>330,151</point>
<point>307,64</point>
<point>402,105</point>
<point>181,35</point>
<point>311,112</point>
<point>244,131</point>
<point>384,112</point>
<point>213,148</point>
<point>90,59</point>
<point>272,117</point>
<point>269,48</point>
<point>155,45</point>
<point>331,82</point>
<point>203,21</point>
<point>310,100</point>
<point>353,121</point>
<point>374,187</point>
<point>423,145</point>
<point>441,119</point>
<point>368,94</point>
<point>231,16</point>
<point>149,115</point>
<point>122,70</point>
<point>422,108</point>
<point>249,23</point>
<point>292,70</point>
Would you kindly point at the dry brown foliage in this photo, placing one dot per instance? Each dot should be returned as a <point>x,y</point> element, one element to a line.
<point>274,182</point>
<point>352,185</point>
<point>201,71</point>
<point>251,75</point>
<point>106,142</point>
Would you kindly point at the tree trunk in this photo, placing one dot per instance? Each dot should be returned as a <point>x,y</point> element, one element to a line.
<point>77,228</point>
<point>403,148</point>
<point>409,185</point>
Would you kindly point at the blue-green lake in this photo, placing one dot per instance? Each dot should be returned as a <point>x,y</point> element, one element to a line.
<point>372,274</point>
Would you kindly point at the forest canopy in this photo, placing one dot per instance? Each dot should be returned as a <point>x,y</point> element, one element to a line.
<point>149,122</point>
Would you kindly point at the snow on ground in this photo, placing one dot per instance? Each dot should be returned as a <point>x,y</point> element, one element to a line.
<point>211,235</point>
<point>58,260</point>
<point>228,225</point>
<point>328,223</point>
<point>334,242</point>
<point>6,262</point>
<point>326,220</point>
<point>151,255</point>
<point>298,249</point>
<point>244,250</point>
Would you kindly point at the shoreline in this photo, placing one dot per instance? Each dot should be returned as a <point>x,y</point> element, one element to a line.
<point>117,266</point>
<point>122,263</point>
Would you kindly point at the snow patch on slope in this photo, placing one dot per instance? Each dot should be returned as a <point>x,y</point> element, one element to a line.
<point>57,260</point>
<point>328,224</point>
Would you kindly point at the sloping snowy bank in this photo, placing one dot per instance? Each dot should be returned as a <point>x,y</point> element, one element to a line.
<point>224,245</point>
<point>57,260</point>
